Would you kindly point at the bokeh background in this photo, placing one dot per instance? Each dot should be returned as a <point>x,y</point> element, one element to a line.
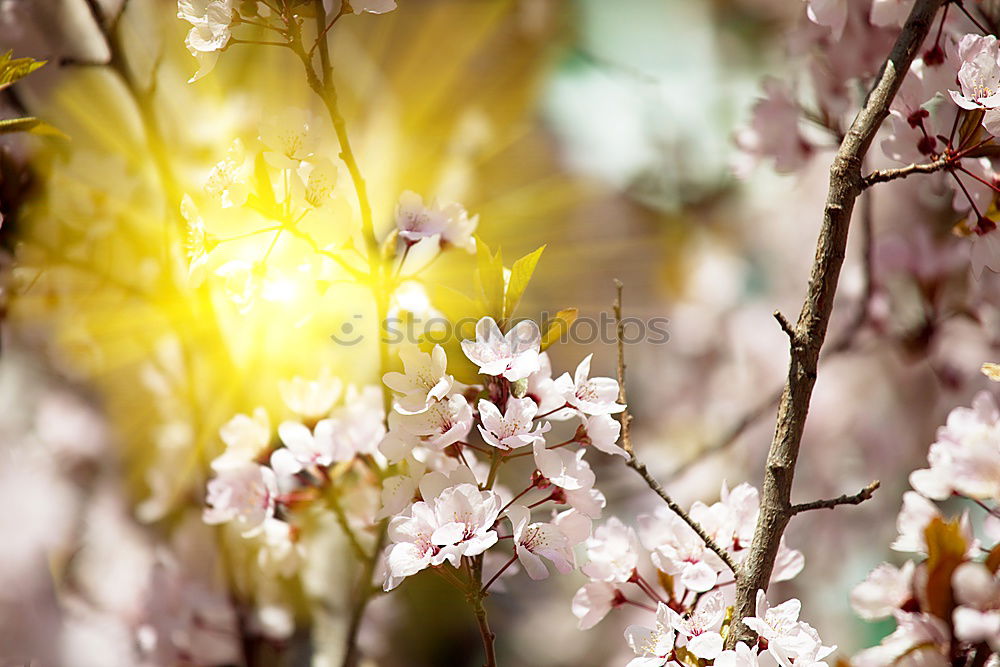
<point>602,129</point>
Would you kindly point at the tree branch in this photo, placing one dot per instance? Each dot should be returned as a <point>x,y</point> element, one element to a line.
<point>846,183</point>
<point>856,499</point>
<point>636,465</point>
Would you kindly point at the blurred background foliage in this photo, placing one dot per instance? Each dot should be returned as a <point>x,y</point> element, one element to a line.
<point>602,129</point>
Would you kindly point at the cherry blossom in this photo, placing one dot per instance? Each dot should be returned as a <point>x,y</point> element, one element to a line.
<point>787,637</point>
<point>535,540</point>
<point>514,356</point>
<point>373,6</point>
<point>210,21</point>
<point>890,12</point>
<point>513,428</point>
<point>979,74</point>
<point>458,522</point>
<point>829,13</point>
<point>593,601</point>
<point>651,645</point>
<point>243,494</point>
<point>245,437</point>
<point>923,638</point>
<point>303,447</point>
<point>229,180</point>
<point>886,589</point>
<point>773,131</point>
<point>288,139</point>
<point>443,423</point>
<point>311,399</point>
<point>603,432</point>
<point>591,396</point>
<point>613,552</point>
<point>678,550</point>
<point>447,225</point>
<point>977,618</point>
<point>744,656</point>
<point>544,391</point>
<point>564,468</point>
<point>701,627</point>
<point>424,378</point>
<point>965,459</point>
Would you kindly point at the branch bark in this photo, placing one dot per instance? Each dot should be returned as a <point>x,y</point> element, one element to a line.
<point>846,183</point>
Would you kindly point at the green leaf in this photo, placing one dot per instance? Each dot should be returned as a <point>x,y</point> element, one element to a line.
<point>557,327</point>
<point>520,276</point>
<point>489,279</point>
<point>13,69</point>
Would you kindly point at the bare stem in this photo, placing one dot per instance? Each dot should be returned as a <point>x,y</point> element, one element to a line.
<point>636,465</point>
<point>855,499</point>
<point>886,175</point>
<point>846,183</point>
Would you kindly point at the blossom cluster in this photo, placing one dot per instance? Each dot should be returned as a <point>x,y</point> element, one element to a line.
<point>260,480</point>
<point>449,505</point>
<point>665,563</point>
<point>947,110</point>
<point>212,23</point>
<point>946,600</point>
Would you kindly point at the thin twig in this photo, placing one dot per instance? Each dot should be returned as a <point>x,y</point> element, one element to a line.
<point>855,499</point>
<point>635,464</point>
<point>846,183</point>
<point>786,326</point>
<point>886,175</point>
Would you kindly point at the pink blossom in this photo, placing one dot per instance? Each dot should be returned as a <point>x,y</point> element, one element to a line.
<point>886,589</point>
<point>773,130</point>
<point>965,459</point>
<point>593,601</point>
<point>242,494</point>
<point>979,75</point>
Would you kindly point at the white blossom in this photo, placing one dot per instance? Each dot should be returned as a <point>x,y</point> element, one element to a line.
<point>613,552</point>
<point>458,522</point>
<point>514,356</point>
<point>651,645</point>
<point>513,428</point>
<point>311,399</point>
<point>591,396</point>
<point>424,378</point>
<point>245,437</point>
<point>210,32</point>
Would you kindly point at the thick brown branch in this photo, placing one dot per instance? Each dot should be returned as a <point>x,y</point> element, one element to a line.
<point>636,465</point>
<point>856,499</point>
<point>846,183</point>
<point>886,175</point>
